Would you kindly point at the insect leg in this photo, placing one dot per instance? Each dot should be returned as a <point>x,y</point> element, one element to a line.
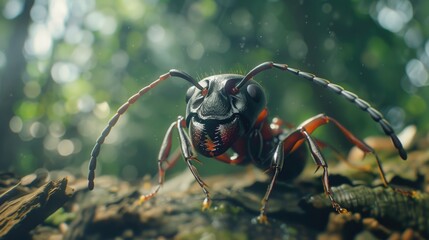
<point>320,162</point>
<point>276,165</point>
<point>295,139</point>
<point>313,123</point>
<point>189,155</point>
<point>164,162</point>
<point>340,156</point>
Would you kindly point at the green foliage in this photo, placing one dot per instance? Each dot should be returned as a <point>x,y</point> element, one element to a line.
<point>60,216</point>
<point>82,64</point>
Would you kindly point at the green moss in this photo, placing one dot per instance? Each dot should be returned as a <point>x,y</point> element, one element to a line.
<point>225,208</point>
<point>60,216</point>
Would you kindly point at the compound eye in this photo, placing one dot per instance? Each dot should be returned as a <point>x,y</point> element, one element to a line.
<point>190,93</point>
<point>255,92</point>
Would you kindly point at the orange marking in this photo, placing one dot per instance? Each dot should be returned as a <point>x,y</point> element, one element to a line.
<point>297,145</point>
<point>210,145</point>
<point>262,116</point>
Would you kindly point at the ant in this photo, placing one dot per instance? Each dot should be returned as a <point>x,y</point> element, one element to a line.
<point>228,111</point>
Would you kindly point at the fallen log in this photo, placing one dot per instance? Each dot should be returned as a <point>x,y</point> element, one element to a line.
<point>19,215</point>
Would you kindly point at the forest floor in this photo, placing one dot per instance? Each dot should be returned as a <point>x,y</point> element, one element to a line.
<point>57,205</point>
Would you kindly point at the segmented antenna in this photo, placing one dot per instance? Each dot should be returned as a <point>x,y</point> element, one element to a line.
<point>353,98</point>
<point>121,110</point>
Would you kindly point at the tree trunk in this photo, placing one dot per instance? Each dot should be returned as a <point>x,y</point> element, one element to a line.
<point>11,84</point>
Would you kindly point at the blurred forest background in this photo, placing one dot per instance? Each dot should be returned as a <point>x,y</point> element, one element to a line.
<point>67,65</point>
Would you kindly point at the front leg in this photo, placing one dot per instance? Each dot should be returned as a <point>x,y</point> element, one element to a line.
<point>189,155</point>
<point>165,161</point>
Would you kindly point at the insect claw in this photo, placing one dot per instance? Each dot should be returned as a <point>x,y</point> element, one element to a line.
<point>197,160</point>
<point>342,210</point>
<point>262,219</point>
<point>206,203</point>
<point>143,198</point>
<point>339,209</point>
<point>317,169</point>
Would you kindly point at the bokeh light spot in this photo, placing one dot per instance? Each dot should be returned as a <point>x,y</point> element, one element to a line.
<point>40,41</point>
<point>297,48</point>
<point>85,103</point>
<point>102,110</point>
<point>156,33</point>
<point>32,89</point>
<point>417,73</point>
<point>413,37</point>
<point>57,129</point>
<point>393,15</point>
<point>242,19</point>
<point>13,8</point>
<point>64,72</point>
<point>65,147</point>
<point>196,51</point>
<point>15,124</point>
<point>37,130</point>
<point>50,143</point>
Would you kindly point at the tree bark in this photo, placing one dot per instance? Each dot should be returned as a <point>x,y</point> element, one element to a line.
<point>20,215</point>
